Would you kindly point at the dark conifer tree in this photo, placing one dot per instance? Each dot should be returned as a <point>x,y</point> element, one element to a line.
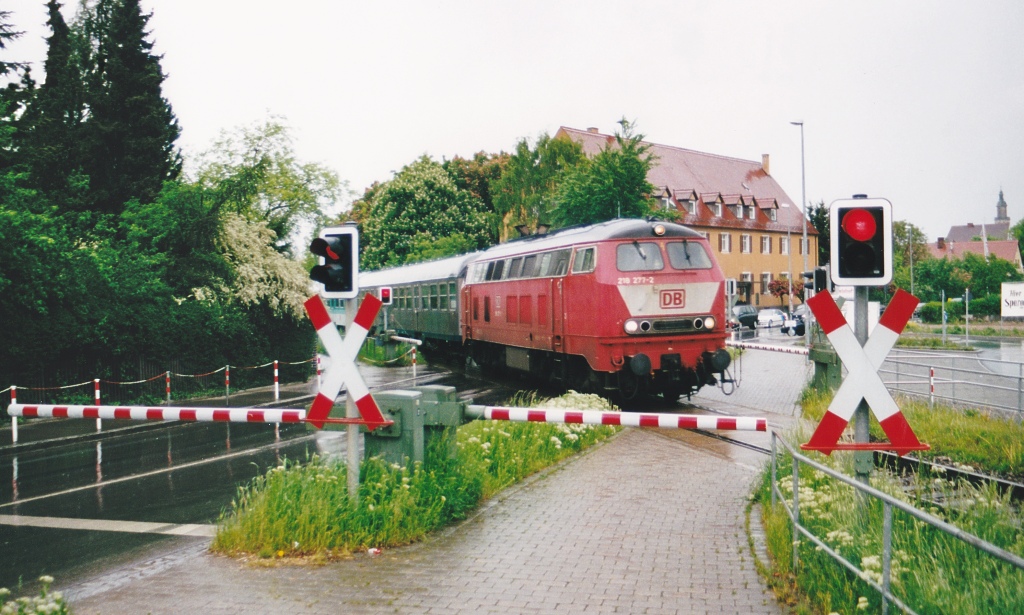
<point>130,130</point>
<point>52,124</point>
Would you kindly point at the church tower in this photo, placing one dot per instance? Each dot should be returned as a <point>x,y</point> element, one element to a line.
<point>1001,209</point>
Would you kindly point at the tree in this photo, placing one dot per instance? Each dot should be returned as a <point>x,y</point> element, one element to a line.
<point>130,132</point>
<point>253,172</point>
<point>53,121</point>
<point>7,35</point>
<point>525,194</point>
<point>477,176</point>
<point>420,204</point>
<point>779,288</point>
<point>910,247</point>
<point>818,216</point>
<point>611,185</point>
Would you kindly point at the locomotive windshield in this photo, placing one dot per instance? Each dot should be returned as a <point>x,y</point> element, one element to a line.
<point>638,256</point>
<point>687,255</point>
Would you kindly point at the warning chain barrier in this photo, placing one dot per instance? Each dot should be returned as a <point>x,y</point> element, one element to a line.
<point>770,347</point>
<point>96,382</point>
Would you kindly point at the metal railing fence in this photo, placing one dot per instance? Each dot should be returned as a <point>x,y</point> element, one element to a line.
<point>958,379</point>
<point>888,503</point>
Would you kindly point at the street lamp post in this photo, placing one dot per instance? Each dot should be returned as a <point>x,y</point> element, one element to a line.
<point>805,247</point>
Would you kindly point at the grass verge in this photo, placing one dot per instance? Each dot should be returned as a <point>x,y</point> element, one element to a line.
<point>303,509</point>
<point>931,571</point>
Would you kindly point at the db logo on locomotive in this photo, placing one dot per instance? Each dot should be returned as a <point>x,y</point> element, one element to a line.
<point>673,298</point>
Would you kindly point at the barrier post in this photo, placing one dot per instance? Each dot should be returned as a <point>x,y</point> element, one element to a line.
<point>414,366</point>
<point>931,387</point>
<point>318,371</point>
<point>96,397</point>
<point>168,381</point>
<point>14,419</point>
<point>227,384</point>
<point>277,385</point>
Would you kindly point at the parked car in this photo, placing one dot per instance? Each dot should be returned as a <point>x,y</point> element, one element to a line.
<point>743,316</point>
<point>770,317</point>
<point>794,325</point>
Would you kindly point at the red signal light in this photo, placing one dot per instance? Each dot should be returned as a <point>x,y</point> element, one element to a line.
<point>859,224</point>
<point>385,295</point>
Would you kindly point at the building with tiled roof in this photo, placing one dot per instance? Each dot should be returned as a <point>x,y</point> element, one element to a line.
<point>749,219</point>
<point>1007,250</point>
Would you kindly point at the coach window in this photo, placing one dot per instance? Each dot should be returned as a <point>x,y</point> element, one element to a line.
<point>687,255</point>
<point>442,298</point>
<point>584,261</point>
<point>433,296</point>
<point>515,268</point>
<point>417,302</point>
<point>452,294</point>
<point>636,256</point>
<point>529,266</point>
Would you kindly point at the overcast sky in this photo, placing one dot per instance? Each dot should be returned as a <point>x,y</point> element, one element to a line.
<point>921,102</point>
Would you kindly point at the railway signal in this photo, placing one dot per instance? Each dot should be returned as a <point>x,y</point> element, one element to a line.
<point>338,271</point>
<point>861,241</point>
<point>385,295</point>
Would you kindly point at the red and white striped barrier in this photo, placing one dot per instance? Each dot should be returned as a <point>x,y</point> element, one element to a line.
<point>160,413</point>
<point>343,363</point>
<point>770,347</point>
<point>862,380</point>
<point>624,419</point>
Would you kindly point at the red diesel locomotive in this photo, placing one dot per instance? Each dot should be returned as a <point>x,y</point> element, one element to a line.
<point>627,307</point>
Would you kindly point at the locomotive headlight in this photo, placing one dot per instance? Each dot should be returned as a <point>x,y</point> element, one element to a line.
<point>631,326</point>
<point>659,230</point>
<point>709,322</point>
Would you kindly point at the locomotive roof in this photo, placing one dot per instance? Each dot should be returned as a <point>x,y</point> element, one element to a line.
<point>574,235</point>
<point>441,269</point>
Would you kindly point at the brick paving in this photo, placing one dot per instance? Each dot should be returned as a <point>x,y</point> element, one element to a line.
<point>641,524</point>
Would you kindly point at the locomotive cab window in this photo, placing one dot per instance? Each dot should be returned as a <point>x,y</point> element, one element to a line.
<point>687,255</point>
<point>639,256</point>
<point>584,261</point>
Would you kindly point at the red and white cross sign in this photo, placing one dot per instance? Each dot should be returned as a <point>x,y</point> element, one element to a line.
<point>342,369</point>
<point>863,381</point>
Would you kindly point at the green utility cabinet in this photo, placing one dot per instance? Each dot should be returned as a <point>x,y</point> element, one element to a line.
<point>423,417</point>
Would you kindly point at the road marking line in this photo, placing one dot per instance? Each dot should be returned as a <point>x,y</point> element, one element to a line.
<point>106,525</point>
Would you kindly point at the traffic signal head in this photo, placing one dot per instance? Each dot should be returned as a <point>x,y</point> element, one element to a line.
<point>385,295</point>
<point>861,242</point>
<point>338,271</point>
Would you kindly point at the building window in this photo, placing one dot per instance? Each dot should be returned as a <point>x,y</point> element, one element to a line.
<point>803,245</point>
<point>666,203</point>
<point>691,206</point>
<point>766,279</point>
<point>725,243</point>
<point>766,244</point>
<point>783,245</point>
<point>751,212</point>
<point>716,209</point>
<point>773,215</point>
<point>745,243</point>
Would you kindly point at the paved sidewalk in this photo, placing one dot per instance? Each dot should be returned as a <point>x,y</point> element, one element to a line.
<point>641,524</point>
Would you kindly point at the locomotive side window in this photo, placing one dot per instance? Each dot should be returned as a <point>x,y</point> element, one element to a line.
<point>543,264</point>
<point>638,256</point>
<point>688,255</point>
<point>515,268</point>
<point>530,266</point>
<point>584,261</point>
<point>495,269</point>
<point>559,263</point>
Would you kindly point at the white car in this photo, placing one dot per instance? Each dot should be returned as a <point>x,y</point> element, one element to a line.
<point>770,317</point>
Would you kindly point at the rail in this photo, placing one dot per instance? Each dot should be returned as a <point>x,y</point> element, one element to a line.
<point>888,503</point>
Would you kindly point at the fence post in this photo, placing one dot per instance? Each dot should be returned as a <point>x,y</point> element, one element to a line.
<point>886,554</point>
<point>277,386</point>
<point>796,512</point>
<point>168,383</point>
<point>227,384</point>
<point>14,419</point>
<point>774,469</point>
<point>1020,389</point>
<point>96,397</point>
<point>414,366</point>
<point>931,387</point>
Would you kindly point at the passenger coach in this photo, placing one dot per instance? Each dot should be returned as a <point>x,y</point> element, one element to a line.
<point>625,307</point>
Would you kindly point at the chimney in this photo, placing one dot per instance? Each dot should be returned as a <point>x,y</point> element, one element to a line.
<point>593,130</point>
<point>764,164</point>
<point>941,243</point>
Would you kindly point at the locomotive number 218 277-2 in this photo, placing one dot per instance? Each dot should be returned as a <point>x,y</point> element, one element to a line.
<point>637,279</point>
